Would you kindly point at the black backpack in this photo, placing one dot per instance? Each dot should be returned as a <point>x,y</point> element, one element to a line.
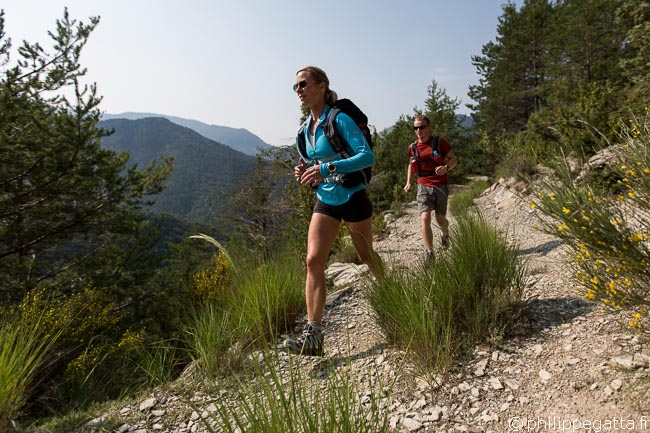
<point>416,153</point>
<point>339,144</point>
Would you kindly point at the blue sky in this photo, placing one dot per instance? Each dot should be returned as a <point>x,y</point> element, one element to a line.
<point>232,63</point>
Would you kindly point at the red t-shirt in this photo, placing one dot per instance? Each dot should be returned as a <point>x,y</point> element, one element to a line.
<point>429,162</point>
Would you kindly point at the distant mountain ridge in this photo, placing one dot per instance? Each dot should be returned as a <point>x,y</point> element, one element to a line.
<point>464,120</point>
<point>206,173</point>
<point>239,139</point>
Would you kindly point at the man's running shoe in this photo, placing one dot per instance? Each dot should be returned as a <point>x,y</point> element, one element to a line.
<point>445,241</point>
<point>309,343</point>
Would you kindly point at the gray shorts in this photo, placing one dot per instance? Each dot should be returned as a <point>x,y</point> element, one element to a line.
<point>433,198</point>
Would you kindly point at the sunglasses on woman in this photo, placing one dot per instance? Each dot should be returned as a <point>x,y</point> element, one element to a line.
<point>302,84</point>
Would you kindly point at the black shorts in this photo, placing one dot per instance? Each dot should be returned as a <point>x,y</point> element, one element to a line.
<point>358,208</point>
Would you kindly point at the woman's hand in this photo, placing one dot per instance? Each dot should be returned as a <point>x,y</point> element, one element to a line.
<point>298,170</point>
<point>311,176</point>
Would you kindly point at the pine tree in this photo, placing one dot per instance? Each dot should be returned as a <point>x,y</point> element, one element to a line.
<point>64,200</point>
<point>513,70</point>
<point>634,17</point>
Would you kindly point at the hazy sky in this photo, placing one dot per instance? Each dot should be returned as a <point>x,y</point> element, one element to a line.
<point>232,63</point>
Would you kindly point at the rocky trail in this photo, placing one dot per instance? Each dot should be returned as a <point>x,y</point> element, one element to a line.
<point>574,367</point>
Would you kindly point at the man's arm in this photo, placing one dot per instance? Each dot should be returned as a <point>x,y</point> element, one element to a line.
<point>451,160</point>
<point>409,175</point>
<point>450,164</point>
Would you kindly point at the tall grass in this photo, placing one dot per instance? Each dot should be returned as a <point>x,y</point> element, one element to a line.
<point>22,350</point>
<point>281,402</point>
<point>211,336</point>
<point>263,300</point>
<point>467,295</point>
<point>157,361</point>
<point>460,202</point>
<point>267,297</point>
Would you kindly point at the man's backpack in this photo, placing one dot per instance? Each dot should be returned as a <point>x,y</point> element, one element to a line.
<point>416,154</point>
<point>339,144</point>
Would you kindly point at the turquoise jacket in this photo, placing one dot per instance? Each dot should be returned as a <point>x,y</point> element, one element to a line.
<point>335,194</point>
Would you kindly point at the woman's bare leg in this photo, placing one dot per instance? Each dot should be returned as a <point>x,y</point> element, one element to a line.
<point>322,233</point>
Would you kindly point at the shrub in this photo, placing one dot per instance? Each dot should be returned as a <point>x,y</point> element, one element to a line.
<point>608,229</point>
<point>92,347</point>
<point>212,283</point>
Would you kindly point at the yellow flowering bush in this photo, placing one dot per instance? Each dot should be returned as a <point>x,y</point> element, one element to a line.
<point>102,365</point>
<point>82,314</point>
<point>92,347</point>
<point>213,282</point>
<point>608,229</point>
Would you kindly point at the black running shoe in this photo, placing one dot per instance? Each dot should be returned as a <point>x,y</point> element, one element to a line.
<point>310,343</point>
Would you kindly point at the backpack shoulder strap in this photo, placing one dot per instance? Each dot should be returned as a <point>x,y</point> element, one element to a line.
<point>301,144</point>
<point>414,150</point>
<point>435,143</point>
<point>332,133</point>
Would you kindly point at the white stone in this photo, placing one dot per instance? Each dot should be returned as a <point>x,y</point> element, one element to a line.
<point>411,424</point>
<point>625,361</point>
<point>641,360</point>
<point>437,413</point>
<point>419,404</point>
<point>512,384</point>
<point>96,421</point>
<point>545,375</point>
<point>495,383</point>
<point>148,404</point>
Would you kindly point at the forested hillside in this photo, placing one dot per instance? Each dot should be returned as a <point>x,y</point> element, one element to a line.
<point>206,174</point>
